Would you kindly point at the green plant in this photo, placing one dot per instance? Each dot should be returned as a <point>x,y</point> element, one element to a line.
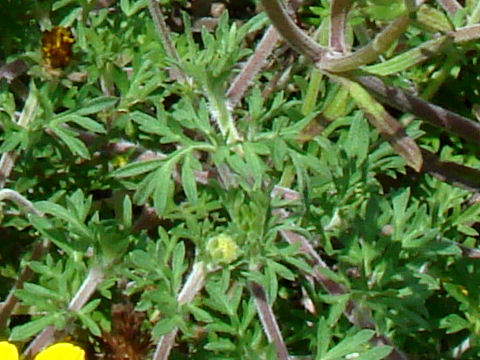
<point>235,193</point>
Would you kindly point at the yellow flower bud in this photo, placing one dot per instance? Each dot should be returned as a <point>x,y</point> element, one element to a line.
<point>223,249</point>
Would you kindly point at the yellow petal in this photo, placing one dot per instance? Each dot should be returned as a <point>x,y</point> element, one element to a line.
<point>61,351</point>
<point>8,351</point>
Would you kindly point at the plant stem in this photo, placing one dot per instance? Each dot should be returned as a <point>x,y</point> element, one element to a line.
<point>429,112</point>
<point>450,6</point>
<point>28,114</point>
<point>221,113</point>
<point>20,200</point>
<point>254,64</point>
<point>467,33</point>
<point>89,286</point>
<point>267,317</point>
<point>386,124</point>
<point>369,52</point>
<point>192,286</point>
<point>295,37</point>
<point>338,17</point>
<point>26,273</point>
<point>164,34</point>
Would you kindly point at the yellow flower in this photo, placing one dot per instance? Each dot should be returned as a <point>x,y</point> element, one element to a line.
<point>8,351</point>
<point>223,249</point>
<point>60,351</point>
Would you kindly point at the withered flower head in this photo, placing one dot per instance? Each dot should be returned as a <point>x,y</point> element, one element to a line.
<point>126,341</point>
<point>57,46</point>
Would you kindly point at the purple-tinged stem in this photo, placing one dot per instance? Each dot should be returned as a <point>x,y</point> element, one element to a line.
<point>267,318</point>
<point>253,66</point>
<point>164,34</point>
<point>429,112</point>
<point>295,37</point>
<point>338,18</point>
<point>450,6</point>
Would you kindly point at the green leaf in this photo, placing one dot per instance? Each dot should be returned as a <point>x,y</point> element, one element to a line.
<point>130,9</point>
<point>177,264</point>
<point>384,123</point>
<point>62,213</point>
<point>89,323</point>
<point>454,323</point>
<point>164,326</point>
<point>86,123</point>
<point>272,282</point>
<point>200,314</point>
<point>42,292</point>
<point>408,59</point>
<point>189,182</point>
<point>377,353</point>
<point>137,168</point>
<point>337,308</point>
<point>13,139</point>
<point>61,3</point>
<point>95,106</point>
<point>358,138</point>
<point>222,344</point>
<point>433,19</point>
<point>254,163</point>
<point>76,146</point>
<point>163,188</point>
<point>127,212</point>
<point>349,345</point>
<point>152,125</point>
<point>23,332</point>
<point>282,270</point>
<point>92,305</point>
<point>55,235</point>
<point>146,187</point>
<point>324,336</point>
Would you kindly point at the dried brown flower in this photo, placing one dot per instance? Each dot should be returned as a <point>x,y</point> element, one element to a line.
<point>57,46</point>
<point>126,341</point>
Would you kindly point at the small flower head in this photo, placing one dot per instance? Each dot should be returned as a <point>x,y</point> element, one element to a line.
<point>61,351</point>
<point>57,46</point>
<point>8,351</point>
<point>223,249</point>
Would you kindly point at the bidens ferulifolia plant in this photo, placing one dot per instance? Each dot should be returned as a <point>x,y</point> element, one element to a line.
<point>240,179</point>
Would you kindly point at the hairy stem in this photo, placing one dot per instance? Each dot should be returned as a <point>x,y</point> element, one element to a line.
<point>253,66</point>
<point>267,318</point>
<point>164,34</point>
